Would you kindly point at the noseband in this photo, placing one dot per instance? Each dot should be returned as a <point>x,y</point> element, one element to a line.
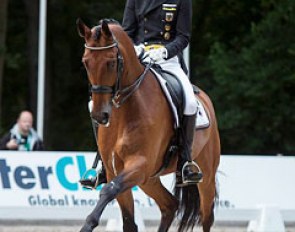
<point>119,96</point>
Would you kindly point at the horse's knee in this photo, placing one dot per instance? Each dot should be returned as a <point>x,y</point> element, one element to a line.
<point>111,190</point>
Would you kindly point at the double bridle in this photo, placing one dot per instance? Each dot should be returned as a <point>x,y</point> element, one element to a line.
<point>119,95</point>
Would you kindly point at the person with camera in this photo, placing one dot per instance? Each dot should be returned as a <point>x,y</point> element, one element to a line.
<point>22,136</point>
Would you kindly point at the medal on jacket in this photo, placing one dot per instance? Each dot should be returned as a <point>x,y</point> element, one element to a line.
<point>169,11</point>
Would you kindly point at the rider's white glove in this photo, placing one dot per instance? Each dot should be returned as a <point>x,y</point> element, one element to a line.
<point>158,54</point>
<point>139,49</point>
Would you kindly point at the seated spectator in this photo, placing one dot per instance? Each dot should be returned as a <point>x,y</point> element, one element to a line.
<point>22,136</point>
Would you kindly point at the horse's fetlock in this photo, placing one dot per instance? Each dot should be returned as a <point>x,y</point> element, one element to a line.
<point>91,222</point>
<point>130,227</point>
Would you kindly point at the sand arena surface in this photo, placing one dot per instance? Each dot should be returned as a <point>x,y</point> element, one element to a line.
<point>100,229</point>
<point>38,226</point>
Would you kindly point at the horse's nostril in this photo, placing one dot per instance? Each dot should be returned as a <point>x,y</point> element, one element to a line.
<point>105,118</point>
<point>101,118</point>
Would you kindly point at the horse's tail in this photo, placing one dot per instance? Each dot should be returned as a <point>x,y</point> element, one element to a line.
<point>189,207</point>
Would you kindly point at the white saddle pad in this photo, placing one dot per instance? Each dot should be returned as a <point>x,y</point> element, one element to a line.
<point>202,120</point>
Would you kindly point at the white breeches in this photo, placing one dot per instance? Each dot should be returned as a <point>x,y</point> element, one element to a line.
<point>172,65</point>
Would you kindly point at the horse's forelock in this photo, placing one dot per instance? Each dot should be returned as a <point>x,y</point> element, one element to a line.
<point>97,32</point>
<point>97,29</point>
<point>108,21</point>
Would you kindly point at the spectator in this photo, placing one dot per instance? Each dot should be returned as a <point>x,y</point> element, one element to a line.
<point>22,136</point>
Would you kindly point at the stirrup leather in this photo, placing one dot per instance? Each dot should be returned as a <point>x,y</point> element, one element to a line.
<point>185,167</point>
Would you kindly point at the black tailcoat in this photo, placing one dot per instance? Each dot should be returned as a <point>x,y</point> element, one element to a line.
<point>166,22</point>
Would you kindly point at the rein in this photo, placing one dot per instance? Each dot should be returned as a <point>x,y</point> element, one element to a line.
<point>119,95</point>
<point>129,90</point>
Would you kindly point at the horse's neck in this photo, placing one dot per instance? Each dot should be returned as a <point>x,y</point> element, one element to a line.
<point>133,70</point>
<point>145,100</point>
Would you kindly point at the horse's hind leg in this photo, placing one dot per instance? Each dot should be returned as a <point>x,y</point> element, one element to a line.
<point>126,203</point>
<point>167,203</point>
<point>207,195</point>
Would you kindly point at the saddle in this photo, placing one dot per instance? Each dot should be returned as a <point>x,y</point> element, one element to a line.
<point>175,91</point>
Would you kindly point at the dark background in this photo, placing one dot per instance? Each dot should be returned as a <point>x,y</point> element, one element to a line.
<point>242,54</point>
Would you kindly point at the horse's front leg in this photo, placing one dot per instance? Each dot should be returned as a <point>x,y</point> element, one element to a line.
<point>131,175</point>
<point>107,194</point>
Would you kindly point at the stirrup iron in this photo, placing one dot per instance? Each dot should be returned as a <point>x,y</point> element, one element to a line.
<point>186,165</point>
<point>88,175</point>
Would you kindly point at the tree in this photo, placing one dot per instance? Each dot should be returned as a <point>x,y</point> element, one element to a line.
<point>15,83</point>
<point>3,19</point>
<point>32,12</point>
<point>255,85</point>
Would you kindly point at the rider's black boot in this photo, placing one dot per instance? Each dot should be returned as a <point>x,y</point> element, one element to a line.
<point>190,172</point>
<point>93,182</point>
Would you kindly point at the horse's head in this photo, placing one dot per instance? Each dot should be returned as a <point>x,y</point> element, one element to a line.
<point>103,63</point>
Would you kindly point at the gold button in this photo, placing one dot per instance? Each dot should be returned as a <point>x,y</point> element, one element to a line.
<point>145,31</point>
<point>167,36</point>
<point>167,27</point>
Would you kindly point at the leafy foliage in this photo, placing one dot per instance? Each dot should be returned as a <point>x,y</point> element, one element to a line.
<point>255,85</point>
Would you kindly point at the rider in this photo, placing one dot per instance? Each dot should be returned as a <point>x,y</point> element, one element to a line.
<point>162,28</point>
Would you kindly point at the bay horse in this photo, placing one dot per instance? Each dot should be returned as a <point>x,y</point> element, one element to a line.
<point>136,126</point>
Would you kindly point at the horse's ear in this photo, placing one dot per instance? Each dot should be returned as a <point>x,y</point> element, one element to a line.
<point>105,29</point>
<point>83,30</point>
